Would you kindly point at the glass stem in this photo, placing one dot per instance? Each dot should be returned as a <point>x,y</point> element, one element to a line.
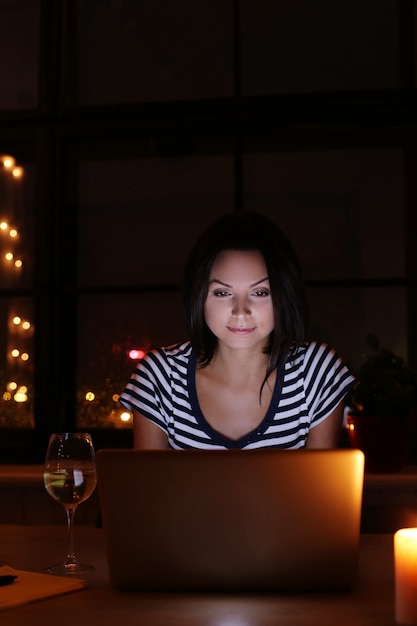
<point>71,559</point>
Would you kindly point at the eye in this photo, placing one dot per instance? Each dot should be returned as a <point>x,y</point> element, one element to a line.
<point>221,293</point>
<point>261,293</point>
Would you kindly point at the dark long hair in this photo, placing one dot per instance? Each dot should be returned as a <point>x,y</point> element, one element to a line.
<point>247,231</point>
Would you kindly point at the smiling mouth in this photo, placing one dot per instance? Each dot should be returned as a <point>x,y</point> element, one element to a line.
<point>240,331</point>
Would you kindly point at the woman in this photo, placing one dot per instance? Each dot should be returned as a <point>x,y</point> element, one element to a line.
<point>246,378</point>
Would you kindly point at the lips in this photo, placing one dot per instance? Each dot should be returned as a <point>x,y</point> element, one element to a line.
<point>240,331</point>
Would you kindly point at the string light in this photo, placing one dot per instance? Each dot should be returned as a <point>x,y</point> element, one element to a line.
<point>125,416</point>
<point>20,329</point>
<point>20,395</point>
<point>8,162</point>
<point>17,172</point>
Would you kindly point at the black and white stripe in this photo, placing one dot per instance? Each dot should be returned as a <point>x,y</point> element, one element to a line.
<point>162,388</point>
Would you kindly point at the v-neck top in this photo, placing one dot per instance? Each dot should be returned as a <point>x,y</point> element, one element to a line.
<point>225,441</point>
<point>162,388</point>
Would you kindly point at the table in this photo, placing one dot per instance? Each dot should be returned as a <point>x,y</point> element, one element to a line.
<point>389,500</point>
<point>371,603</point>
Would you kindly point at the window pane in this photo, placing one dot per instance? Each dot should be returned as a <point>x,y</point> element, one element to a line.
<point>138,218</point>
<point>16,363</point>
<point>293,47</point>
<point>154,51</point>
<point>342,209</point>
<point>19,54</point>
<point>344,318</point>
<point>109,328</point>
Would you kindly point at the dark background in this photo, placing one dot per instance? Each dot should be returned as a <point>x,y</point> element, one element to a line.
<point>138,123</point>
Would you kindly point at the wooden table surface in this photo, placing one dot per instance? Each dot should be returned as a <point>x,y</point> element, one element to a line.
<point>36,547</point>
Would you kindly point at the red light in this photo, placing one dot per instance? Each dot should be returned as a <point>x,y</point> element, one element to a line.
<point>136,355</point>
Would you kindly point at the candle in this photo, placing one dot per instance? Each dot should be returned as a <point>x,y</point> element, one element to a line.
<point>405,559</point>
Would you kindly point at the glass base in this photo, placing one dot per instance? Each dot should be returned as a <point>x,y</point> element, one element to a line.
<point>70,569</point>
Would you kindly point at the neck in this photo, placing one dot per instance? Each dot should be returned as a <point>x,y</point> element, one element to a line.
<point>240,364</point>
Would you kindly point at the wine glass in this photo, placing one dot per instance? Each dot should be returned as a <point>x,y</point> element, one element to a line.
<point>70,478</point>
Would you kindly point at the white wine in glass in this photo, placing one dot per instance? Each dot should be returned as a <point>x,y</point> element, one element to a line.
<point>70,478</point>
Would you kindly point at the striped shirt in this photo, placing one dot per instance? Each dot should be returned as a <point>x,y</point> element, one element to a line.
<point>162,388</point>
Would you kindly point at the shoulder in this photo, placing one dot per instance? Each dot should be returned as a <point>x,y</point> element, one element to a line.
<point>315,356</point>
<point>178,352</point>
<point>173,356</point>
<point>311,350</point>
<point>159,366</point>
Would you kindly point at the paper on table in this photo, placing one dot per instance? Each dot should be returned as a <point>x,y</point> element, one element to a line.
<point>32,586</point>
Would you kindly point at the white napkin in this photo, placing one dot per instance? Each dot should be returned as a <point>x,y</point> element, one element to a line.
<point>32,586</point>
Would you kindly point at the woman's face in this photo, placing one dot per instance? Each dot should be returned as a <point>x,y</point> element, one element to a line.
<point>238,308</point>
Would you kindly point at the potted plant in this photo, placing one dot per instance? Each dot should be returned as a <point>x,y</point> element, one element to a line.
<point>382,413</point>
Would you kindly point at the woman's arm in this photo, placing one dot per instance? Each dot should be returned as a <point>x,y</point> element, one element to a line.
<point>327,433</point>
<point>147,435</point>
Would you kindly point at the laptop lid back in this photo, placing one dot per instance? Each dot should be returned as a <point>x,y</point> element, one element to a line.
<point>231,520</point>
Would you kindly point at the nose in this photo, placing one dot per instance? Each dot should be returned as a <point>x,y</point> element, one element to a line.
<point>241,307</point>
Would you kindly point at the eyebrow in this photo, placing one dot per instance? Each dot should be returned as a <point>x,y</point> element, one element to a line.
<point>217,280</point>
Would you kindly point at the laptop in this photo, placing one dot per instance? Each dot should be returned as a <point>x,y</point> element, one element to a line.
<point>260,520</point>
